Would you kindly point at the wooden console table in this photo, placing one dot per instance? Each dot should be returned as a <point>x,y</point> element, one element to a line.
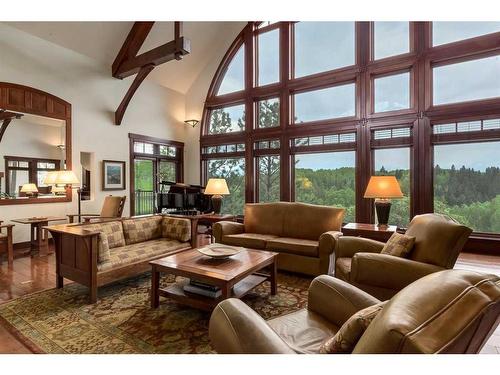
<point>371,231</point>
<point>39,243</point>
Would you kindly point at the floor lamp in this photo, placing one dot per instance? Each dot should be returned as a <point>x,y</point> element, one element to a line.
<point>68,178</point>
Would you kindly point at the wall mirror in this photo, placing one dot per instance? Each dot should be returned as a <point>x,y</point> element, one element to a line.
<point>35,140</point>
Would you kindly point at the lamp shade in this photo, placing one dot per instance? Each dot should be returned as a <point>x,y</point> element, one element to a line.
<point>29,188</point>
<point>50,178</point>
<point>384,187</point>
<point>216,186</point>
<point>66,178</point>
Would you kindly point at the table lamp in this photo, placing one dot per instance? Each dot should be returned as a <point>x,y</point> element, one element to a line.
<point>216,187</point>
<point>50,179</point>
<point>383,188</point>
<point>30,190</point>
<point>68,178</point>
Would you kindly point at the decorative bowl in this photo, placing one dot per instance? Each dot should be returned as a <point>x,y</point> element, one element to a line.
<point>219,251</point>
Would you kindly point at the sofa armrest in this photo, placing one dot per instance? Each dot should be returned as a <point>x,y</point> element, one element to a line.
<point>336,300</point>
<point>347,246</point>
<point>388,271</point>
<point>223,228</point>
<point>236,329</point>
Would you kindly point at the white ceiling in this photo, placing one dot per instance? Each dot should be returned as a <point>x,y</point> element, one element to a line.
<point>101,41</point>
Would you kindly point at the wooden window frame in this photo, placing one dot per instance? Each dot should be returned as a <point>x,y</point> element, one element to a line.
<point>156,157</point>
<point>420,117</point>
<point>32,169</point>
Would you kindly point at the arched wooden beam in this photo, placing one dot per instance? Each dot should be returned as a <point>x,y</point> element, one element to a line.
<point>128,63</point>
<point>6,117</point>
<point>143,73</point>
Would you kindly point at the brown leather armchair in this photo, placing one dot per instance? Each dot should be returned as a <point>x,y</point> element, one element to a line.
<point>458,316</point>
<point>438,241</point>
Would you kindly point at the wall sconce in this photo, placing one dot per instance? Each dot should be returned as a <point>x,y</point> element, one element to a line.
<point>193,123</point>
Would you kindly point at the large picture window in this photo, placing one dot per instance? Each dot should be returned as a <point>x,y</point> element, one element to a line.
<point>467,184</point>
<point>320,107</point>
<point>233,170</point>
<point>465,81</point>
<point>327,179</point>
<point>396,162</point>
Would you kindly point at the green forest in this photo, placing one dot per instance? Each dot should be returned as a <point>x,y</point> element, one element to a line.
<point>470,196</point>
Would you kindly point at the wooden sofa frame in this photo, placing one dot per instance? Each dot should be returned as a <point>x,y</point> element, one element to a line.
<point>77,254</point>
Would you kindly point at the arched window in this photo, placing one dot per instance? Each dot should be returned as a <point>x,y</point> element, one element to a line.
<point>308,111</point>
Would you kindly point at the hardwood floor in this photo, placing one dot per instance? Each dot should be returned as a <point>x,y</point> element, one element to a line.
<point>29,275</point>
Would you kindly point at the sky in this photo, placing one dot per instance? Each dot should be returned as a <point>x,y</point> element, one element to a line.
<point>321,46</point>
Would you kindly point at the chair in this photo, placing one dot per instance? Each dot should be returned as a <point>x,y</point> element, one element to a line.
<point>6,242</point>
<point>451,311</point>
<point>438,242</point>
<point>112,208</point>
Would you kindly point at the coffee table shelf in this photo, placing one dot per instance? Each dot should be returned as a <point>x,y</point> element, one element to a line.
<point>236,276</point>
<point>177,293</point>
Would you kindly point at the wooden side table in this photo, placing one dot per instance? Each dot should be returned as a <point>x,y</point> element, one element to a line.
<point>39,237</point>
<point>371,231</point>
<point>210,219</point>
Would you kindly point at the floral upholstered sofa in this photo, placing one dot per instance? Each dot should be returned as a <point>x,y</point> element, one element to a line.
<point>96,254</point>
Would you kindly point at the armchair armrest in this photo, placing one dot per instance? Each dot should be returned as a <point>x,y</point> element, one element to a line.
<point>223,228</point>
<point>71,217</point>
<point>347,246</point>
<point>336,300</point>
<point>328,241</point>
<point>236,329</point>
<point>388,271</point>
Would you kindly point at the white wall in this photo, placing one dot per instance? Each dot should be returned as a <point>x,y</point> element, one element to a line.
<point>195,100</point>
<point>94,95</point>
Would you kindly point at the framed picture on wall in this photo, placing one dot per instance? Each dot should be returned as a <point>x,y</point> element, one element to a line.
<point>113,175</point>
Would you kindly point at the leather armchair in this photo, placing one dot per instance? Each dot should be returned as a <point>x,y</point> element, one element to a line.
<point>438,241</point>
<point>457,317</point>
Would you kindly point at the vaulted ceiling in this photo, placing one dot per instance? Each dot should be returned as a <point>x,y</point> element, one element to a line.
<point>101,41</point>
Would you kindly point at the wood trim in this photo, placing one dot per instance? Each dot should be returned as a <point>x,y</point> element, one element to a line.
<point>178,159</point>
<point>25,99</point>
<point>421,114</point>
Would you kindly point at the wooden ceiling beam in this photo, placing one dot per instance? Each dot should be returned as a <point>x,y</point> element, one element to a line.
<point>173,50</point>
<point>128,63</point>
<point>141,76</point>
<point>133,43</point>
<point>4,126</point>
<point>6,115</point>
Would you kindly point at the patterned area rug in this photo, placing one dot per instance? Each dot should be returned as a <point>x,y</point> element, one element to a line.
<point>61,321</point>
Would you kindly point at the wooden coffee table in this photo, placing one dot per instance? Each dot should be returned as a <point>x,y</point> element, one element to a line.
<point>236,276</point>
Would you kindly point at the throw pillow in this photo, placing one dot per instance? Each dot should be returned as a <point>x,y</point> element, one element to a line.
<point>103,248</point>
<point>399,245</point>
<point>176,228</point>
<point>141,230</point>
<point>112,229</point>
<point>344,341</point>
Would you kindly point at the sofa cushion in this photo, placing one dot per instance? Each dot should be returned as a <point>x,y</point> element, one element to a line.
<point>344,341</point>
<point>304,331</point>
<point>343,268</point>
<point>309,221</point>
<point>251,240</point>
<point>265,218</point>
<point>141,251</point>
<point>103,248</point>
<point>294,246</point>
<point>113,231</point>
<point>142,229</point>
<point>176,228</point>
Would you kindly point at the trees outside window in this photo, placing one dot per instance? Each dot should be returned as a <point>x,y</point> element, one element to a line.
<point>327,179</point>
<point>467,184</point>
<point>269,178</point>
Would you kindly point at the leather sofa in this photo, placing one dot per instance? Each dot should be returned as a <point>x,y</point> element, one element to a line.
<point>450,311</point>
<point>438,242</point>
<point>303,234</point>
